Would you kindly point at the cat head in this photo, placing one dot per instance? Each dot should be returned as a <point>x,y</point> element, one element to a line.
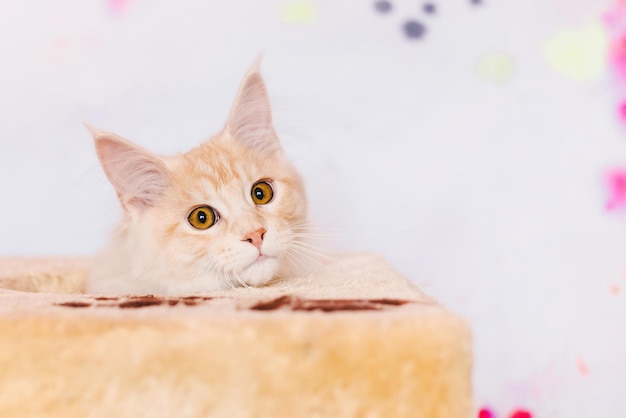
<point>226,213</point>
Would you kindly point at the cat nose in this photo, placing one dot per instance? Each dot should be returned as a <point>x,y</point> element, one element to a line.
<point>256,237</point>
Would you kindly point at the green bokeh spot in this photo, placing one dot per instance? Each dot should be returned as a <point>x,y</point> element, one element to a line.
<point>301,11</point>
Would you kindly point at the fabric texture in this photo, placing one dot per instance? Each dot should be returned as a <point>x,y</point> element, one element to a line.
<point>356,339</point>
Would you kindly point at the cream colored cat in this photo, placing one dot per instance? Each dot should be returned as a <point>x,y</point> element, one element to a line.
<point>228,213</point>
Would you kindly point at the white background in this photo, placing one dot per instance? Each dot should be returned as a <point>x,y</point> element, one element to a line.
<point>489,193</point>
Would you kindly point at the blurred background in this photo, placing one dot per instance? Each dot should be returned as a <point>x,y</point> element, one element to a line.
<point>480,145</point>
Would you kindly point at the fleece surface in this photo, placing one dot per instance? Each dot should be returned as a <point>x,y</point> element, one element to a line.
<point>357,339</point>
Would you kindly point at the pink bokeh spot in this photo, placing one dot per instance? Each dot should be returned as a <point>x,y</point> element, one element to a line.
<point>618,56</point>
<point>615,22</point>
<point>118,6</point>
<point>582,367</point>
<point>614,15</point>
<point>622,111</point>
<point>616,184</point>
<point>521,413</point>
<point>486,413</point>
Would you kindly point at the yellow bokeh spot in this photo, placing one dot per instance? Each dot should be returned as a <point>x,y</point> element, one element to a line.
<point>497,67</point>
<point>580,55</point>
<point>302,11</point>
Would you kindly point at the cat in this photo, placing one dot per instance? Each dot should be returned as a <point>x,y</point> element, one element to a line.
<point>231,212</point>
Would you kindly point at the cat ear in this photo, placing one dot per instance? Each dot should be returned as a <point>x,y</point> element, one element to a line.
<point>139,176</point>
<point>250,119</point>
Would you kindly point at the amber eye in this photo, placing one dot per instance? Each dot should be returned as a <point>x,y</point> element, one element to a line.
<point>202,217</point>
<point>262,192</point>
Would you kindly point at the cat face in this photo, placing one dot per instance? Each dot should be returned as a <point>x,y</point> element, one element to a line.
<point>227,213</point>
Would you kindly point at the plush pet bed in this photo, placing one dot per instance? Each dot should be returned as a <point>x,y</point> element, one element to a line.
<point>356,339</point>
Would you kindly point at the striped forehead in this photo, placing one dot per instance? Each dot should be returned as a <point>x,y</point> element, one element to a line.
<point>218,168</point>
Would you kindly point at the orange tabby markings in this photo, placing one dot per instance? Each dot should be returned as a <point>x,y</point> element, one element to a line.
<point>155,249</point>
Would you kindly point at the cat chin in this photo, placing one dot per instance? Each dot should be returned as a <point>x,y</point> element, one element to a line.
<point>260,271</point>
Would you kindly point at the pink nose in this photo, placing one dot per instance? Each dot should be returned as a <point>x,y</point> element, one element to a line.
<point>256,237</point>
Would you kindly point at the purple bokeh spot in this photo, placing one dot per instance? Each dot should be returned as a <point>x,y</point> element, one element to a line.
<point>414,29</point>
<point>429,8</point>
<point>383,6</point>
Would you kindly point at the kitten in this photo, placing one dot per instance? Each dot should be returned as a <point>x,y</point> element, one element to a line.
<point>231,212</point>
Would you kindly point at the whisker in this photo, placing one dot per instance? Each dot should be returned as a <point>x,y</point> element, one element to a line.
<point>227,281</point>
<point>304,254</point>
<point>241,281</point>
<point>303,244</point>
<point>308,226</point>
<point>311,251</point>
<point>202,272</point>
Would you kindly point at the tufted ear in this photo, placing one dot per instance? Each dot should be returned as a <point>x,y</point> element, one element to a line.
<point>139,176</point>
<point>250,119</point>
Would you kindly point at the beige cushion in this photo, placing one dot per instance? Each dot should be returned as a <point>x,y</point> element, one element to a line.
<point>356,339</point>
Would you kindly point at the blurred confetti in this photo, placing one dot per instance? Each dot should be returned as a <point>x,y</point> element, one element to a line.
<point>118,7</point>
<point>614,20</point>
<point>429,8</point>
<point>383,6</point>
<point>412,28</point>
<point>618,56</point>
<point>614,16</point>
<point>616,184</point>
<point>582,367</point>
<point>579,54</point>
<point>521,413</point>
<point>486,413</point>
<point>615,289</point>
<point>301,11</point>
<point>496,67</point>
<point>622,110</point>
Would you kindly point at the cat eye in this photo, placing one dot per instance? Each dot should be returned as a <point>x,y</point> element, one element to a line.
<point>203,217</point>
<point>262,192</point>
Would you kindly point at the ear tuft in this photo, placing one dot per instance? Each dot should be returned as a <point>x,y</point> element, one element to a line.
<point>95,132</point>
<point>250,119</point>
<point>139,176</point>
